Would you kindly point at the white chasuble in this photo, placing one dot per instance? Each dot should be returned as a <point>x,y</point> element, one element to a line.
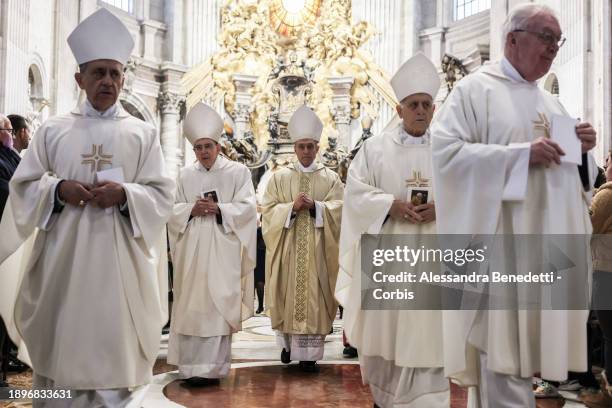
<point>213,263</point>
<point>478,139</point>
<point>92,300</point>
<point>385,169</point>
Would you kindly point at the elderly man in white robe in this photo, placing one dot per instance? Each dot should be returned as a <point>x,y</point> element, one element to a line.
<point>213,241</point>
<point>94,187</point>
<point>400,351</point>
<point>498,171</point>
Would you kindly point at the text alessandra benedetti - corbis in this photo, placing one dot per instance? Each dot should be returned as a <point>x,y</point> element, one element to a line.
<point>473,277</point>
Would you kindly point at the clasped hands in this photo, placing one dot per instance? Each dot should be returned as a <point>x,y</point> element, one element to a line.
<point>545,152</point>
<point>303,202</point>
<point>103,195</point>
<point>204,206</point>
<point>415,214</point>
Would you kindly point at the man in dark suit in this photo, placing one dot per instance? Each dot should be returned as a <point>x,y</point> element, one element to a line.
<point>9,159</point>
<point>21,132</point>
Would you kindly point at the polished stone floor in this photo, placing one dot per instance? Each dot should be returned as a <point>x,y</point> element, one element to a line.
<point>257,378</point>
<point>279,386</point>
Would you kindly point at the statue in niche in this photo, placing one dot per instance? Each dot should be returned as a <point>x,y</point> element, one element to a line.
<point>278,68</point>
<point>453,69</point>
<point>291,90</point>
<point>273,126</point>
<point>346,159</point>
<point>243,150</point>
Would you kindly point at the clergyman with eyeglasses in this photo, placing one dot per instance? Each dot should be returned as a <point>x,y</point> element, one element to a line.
<point>498,171</point>
<point>9,159</point>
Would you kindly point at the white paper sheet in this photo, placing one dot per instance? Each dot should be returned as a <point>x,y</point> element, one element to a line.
<point>563,132</point>
<point>115,175</point>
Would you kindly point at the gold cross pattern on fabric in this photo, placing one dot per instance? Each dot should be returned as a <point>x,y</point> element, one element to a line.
<point>417,180</point>
<point>541,127</point>
<point>96,158</point>
<point>304,231</point>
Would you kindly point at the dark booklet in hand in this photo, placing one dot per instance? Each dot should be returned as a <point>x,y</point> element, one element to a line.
<point>212,194</point>
<point>418,197</point>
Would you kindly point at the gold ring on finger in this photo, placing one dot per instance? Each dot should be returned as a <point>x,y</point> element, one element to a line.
<point>81,203</point>
<point>406,216</point>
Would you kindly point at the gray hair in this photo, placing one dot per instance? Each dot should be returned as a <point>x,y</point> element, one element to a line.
<point>519,15</point>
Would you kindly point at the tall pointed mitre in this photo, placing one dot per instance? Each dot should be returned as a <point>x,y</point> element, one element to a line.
<point>417,75</point>
<point>305,124</point>
<point>101,36</point>
<point>202,121</point>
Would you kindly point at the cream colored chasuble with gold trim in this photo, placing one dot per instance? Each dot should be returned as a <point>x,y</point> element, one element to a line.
<point>301,258</point>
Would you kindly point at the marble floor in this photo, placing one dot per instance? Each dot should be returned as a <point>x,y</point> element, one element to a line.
<point>258,379</point>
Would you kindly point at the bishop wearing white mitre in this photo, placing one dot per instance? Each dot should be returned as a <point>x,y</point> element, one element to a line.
<point>94,190</point>
<point>213,241</point>
<point>300,224</point>
<point>400,351</point>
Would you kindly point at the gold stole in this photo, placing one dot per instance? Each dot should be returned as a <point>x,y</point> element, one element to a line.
<point>304,229</point>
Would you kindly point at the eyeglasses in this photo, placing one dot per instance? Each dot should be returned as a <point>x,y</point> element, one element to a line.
<point>546,38</point>
<point>11,131</point>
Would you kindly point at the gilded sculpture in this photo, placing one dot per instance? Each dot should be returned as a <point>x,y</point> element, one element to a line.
<point>323,46</point>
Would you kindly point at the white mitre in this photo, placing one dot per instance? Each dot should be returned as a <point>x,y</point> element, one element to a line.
<point>202,121</point>
<point>101,36</point>
<point>417,75</point>
<point>305,124</point>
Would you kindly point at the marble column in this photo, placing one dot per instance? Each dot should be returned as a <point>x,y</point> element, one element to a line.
<point>170,105</point>
<point>341,108</point>
<point>203,23</point>
<point>242,107</point>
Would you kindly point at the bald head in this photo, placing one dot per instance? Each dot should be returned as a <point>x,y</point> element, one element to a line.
<point>6,134</point>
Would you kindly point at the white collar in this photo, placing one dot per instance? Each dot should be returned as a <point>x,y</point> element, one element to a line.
<point>512,73</point>
<point>406,138</point>
<point>92,112</point>
<point>309,169</point>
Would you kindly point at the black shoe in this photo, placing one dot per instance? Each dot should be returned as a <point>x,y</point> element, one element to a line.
<point>285,356</point>
<point>309,366</point>
<point>259,310</point>
<point>376,406</point>
<point>201,381</point>
<point>349,352</point>
<point>16,366</point>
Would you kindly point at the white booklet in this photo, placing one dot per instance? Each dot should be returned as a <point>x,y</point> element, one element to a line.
<point>115,175</point>
<point>563,132</point>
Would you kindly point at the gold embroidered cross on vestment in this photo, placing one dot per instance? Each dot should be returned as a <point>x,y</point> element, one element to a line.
<point>417,180</point>
<point>542,124</point>
<point>96,158</point>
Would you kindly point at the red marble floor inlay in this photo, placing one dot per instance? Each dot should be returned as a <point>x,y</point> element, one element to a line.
<point>279,386</point>
<point>335,386</point>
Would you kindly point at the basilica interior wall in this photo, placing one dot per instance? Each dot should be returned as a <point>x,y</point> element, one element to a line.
<point>463,36</point>
<point>183,33</point>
